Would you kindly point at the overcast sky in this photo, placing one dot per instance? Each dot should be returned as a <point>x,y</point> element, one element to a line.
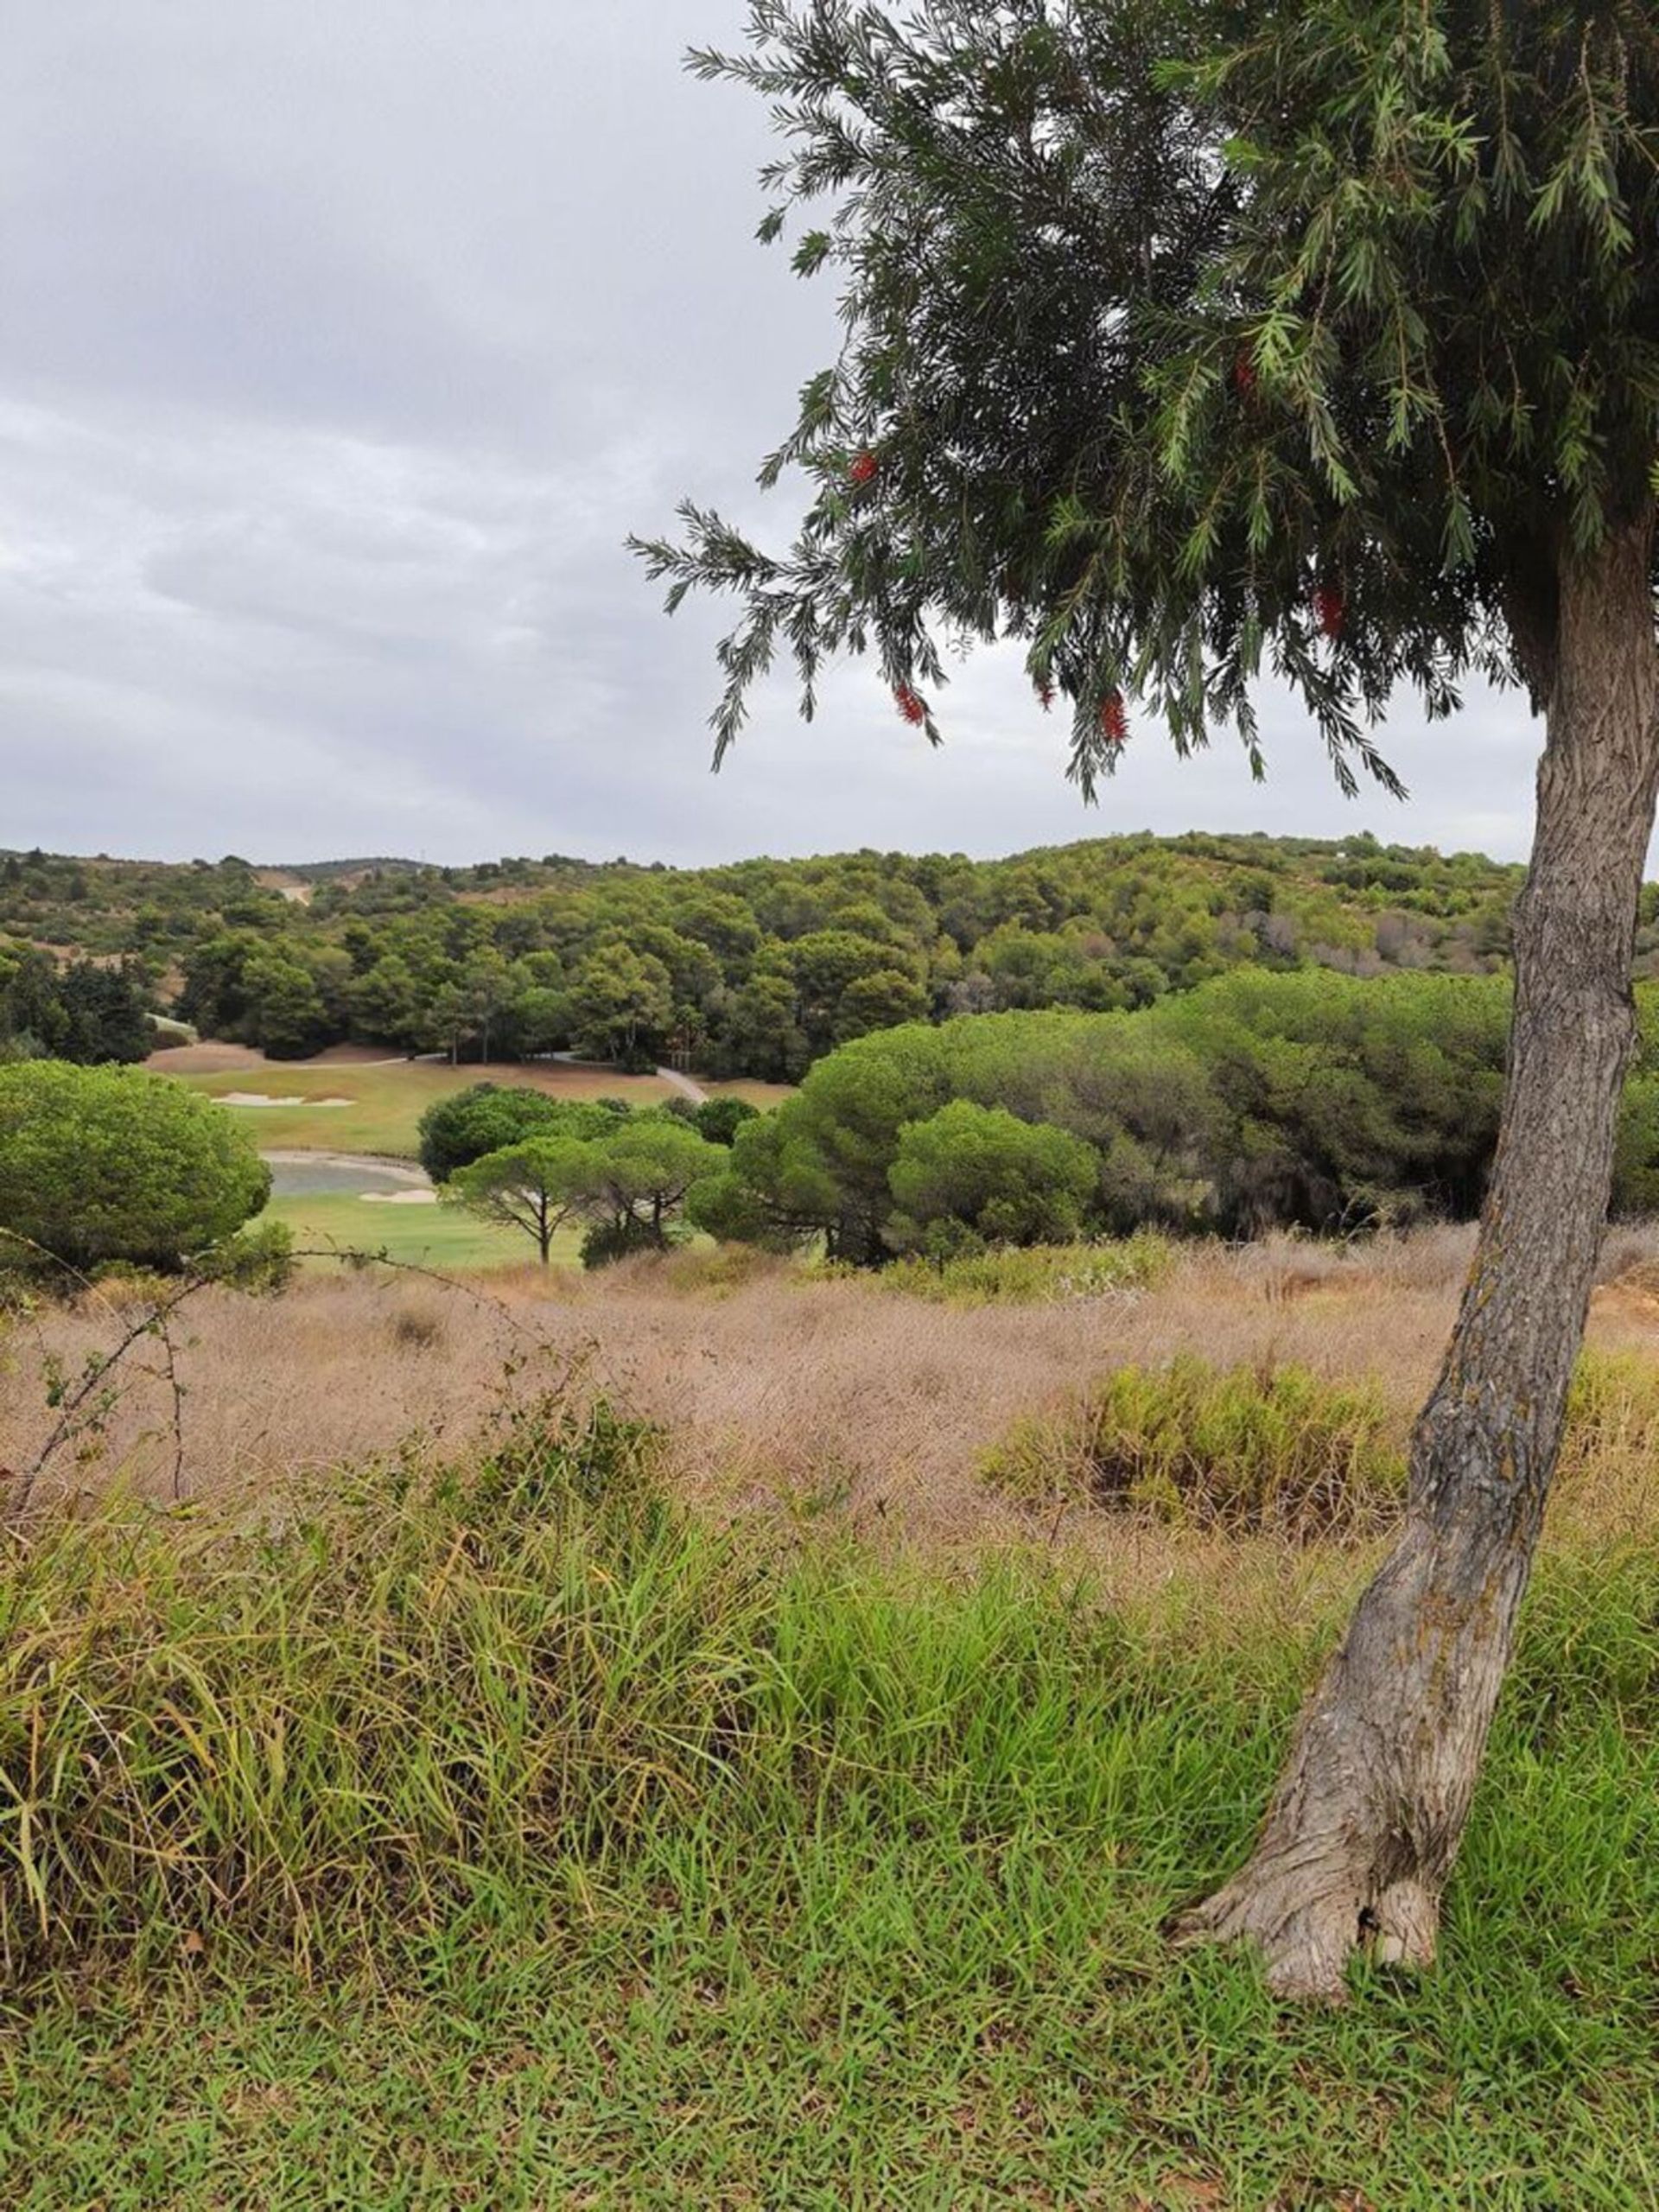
<point>341,343</point>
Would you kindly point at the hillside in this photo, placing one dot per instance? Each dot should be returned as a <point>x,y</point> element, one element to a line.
<point>753,969</point>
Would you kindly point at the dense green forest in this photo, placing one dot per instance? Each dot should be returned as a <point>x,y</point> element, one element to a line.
<point>762,968</point>
<point>88,1010</point>
<point>757,969</point>
<point>1196,1034</point>
<point>1255,1102</point>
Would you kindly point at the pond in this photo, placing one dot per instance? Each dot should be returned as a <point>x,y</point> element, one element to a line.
<point>294,1175</point>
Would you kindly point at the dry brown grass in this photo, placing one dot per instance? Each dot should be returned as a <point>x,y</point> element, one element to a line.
<point>818,1405</point>
<point>209,1059</point>
<point>213,1056</point>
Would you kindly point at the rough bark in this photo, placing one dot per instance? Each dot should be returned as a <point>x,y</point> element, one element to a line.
<point>1366,1820</point>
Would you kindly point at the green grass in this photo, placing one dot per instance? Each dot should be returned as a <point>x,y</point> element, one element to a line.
<point>442,1236</point>
<point>1033,1274</point>
<point>495,1837</point>
<point>386,1103</point>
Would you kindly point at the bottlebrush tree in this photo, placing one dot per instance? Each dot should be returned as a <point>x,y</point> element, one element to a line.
<point>1202,339</point>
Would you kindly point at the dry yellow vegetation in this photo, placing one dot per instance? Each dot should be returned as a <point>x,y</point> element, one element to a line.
<point>820,1404</point>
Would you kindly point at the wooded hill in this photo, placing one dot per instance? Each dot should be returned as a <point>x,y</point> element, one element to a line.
<point>753,969</point>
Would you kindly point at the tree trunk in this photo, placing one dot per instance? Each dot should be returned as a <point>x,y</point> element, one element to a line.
<point>1369,1812</point>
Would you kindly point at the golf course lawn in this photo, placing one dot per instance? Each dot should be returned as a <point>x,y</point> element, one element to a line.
<point>440,1236</point>
<point>382,1107</point>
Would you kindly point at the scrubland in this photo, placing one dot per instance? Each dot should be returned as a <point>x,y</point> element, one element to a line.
<point>838,1398</point>
<point>629,1741</point>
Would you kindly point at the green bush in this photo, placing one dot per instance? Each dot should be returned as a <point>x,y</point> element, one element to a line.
<point>108,1163</point>
<point>487,1117</point>
<point>606,1242</point>
<point>259,1258</point>
<point>1236,1448</point>
<point>978,1171</point>
<point>719,1120</point>
<point>1275,1451</point>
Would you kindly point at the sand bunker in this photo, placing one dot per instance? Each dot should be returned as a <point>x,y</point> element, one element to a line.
<point>398,1198</point>
<point>260,1099</point>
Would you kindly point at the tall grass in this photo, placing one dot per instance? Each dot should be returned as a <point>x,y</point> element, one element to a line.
<point>333,1734</point>
<point>494,1832</point>
<point>429,1676</point>
<point>1273,1448</point>
<point>268,1735</point>
<point>1033,1274</point>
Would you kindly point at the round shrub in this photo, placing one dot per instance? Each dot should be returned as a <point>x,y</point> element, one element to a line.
<point>109,1163</point>
<point>971,1175</point>
<point>719,1119</point>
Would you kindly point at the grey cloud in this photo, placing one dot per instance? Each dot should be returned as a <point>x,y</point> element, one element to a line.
<point>342,346</point>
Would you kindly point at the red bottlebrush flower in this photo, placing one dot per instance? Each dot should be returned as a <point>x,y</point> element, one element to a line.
<point>1329,609</point>
<point>1046,695</point>
<point>1114,719</point>
<point>909,705</point>
<point>865,468</point>
<point>1245,376</point>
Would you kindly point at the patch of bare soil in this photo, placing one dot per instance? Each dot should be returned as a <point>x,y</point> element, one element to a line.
<point>204,1059</point>
<point>212,1058</point>
<point>1632,1301</point>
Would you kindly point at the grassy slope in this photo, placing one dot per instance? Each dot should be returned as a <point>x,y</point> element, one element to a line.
<point>621,1875</point>
<point>387,1103</point>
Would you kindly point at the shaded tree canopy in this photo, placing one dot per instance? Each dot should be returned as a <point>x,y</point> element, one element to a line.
<point>87,1011</point>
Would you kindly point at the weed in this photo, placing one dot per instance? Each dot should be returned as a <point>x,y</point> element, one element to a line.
<point>1031,1274</point>
<point>1243,1448</point>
